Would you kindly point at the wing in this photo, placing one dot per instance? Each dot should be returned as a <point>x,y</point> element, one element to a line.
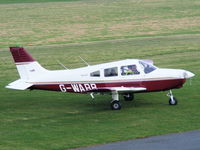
<point>127,89</point>
<point>19,85</point>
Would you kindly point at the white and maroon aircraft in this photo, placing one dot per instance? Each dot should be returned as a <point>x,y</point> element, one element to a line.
<point>120,77</point>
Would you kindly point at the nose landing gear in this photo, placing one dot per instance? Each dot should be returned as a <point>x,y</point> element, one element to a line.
<point>172,99</point>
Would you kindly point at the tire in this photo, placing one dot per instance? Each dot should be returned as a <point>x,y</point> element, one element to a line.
<point>115,105</point>
<point>128,96</point>
<point>173,102</point>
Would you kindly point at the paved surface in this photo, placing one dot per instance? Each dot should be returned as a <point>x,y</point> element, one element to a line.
<point>179,141</point>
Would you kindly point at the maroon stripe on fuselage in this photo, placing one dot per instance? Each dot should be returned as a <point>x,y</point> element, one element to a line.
<point>156,85</point>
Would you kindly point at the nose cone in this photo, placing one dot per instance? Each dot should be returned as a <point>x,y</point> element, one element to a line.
<point>188,74</point>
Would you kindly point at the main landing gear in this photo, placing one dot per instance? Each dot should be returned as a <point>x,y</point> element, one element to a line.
<point>115,103</point>
<point>172,99</point>
<point>128,96</point>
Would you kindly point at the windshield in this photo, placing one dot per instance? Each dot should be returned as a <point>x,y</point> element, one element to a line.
<point>147,67</point>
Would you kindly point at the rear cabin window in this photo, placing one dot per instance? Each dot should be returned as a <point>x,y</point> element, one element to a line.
<point>95,74</point>
<point>129,70</point>
<point>110,72</point>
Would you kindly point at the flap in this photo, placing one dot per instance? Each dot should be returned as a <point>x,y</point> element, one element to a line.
<point>19,85</point>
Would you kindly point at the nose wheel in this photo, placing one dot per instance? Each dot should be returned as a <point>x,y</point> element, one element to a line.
<point>172,99</point>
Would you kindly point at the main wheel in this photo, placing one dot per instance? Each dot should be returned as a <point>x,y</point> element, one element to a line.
<point>173,101</point>
<point>115,105</point>
<point>128,96</point>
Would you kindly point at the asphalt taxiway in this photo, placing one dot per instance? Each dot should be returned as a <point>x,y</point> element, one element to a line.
<point>177,141</point>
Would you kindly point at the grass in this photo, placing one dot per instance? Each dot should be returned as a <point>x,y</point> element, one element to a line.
<point>42,120</point>
<point>33,1</point>
<point>82,21</point>
<point>51,120</point>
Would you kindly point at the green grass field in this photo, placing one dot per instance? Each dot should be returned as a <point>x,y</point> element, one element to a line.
<point>166,31</point>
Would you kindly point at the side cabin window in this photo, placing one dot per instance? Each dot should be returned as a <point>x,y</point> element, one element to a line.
<point>129,70</point>
<point>110,72</point>
<point>95,74</point>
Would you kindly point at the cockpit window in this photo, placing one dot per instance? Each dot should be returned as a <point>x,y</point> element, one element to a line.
<point>129,70</point>
<point>110,72</point>
<point>147,67</point>
<point>95,74</point>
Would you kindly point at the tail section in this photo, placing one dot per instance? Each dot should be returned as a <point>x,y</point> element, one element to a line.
<point>20,55</point>
<point>27,67</point>
<point>19,85</point>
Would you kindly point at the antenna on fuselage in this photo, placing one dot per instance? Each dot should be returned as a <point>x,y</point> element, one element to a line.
<point>62,64</point>
<point>84,61</point>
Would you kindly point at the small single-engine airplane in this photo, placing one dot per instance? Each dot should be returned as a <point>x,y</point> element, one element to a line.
<point>120,77</point>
